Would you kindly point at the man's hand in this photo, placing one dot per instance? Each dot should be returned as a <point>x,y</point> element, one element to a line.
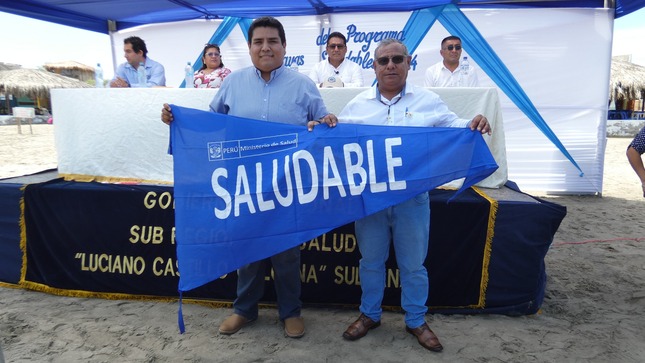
<point>480,123</point>
<point>330,119</point>
<point>166,114</point>
<point>119,83</point>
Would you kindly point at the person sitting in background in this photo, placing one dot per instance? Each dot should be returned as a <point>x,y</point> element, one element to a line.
<point>213,71</point>
<point>336,65</point>
<point>126,73</point>
<point>447,73</point>
<point>634,151</point>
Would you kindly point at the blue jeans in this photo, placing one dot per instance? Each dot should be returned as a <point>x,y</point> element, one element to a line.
<point>250,285</point>
<point>407,224</point>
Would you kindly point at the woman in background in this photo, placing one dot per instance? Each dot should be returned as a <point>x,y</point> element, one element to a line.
<point>213,71</point>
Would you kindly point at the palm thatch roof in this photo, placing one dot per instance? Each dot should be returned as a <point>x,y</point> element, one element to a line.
<point>35,83</point>
<point>56,67</point>
<point>8,66</point>
<point>627,80</point>
<point>71,69</point>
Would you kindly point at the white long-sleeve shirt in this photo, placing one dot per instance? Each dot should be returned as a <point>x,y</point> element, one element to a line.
<point>349,72</point>
<point>439,76</point>
<point>414,106</point>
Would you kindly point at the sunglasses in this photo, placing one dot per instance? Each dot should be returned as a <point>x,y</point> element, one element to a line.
<point>453,47</point>
<point>337,46</point>
<point>397,59</point>
<point>213,55</point>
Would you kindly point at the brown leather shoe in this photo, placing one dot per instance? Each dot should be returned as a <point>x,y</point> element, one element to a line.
<point>360,327</point>
<point>294,327</point>
<point>426,337</point>
<point>233,324</point>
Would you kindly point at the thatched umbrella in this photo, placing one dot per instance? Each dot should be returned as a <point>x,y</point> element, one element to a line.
<point>72,69</point>
<point>34,83</point>
<point>627,80</point>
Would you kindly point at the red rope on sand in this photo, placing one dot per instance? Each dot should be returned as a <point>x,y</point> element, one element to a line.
<point>599,240</point>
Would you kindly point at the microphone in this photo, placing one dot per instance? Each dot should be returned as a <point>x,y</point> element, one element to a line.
<point>337,72</point>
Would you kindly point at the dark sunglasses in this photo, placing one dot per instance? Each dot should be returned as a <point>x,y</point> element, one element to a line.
<point>397,59</point>
<point>453,47</point>
<point>337,46</point>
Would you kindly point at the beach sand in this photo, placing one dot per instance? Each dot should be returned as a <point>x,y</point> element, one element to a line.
<point>593,310</point>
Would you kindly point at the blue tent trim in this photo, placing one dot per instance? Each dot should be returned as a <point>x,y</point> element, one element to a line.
<point>104,16</point>
<point>458,24</point>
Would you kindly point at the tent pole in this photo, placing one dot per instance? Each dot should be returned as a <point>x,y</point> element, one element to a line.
<point>111,31</point>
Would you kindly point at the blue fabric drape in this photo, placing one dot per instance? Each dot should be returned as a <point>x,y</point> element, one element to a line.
<point>458,24</point>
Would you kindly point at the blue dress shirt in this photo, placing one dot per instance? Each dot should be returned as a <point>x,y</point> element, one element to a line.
<point>288,97</point>
<point>155,73</point>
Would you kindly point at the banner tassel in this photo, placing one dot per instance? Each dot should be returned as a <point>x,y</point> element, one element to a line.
<point>180,315</point>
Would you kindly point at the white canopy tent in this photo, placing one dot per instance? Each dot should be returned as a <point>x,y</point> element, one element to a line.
<point>557,51</point>
<point>562,63</point>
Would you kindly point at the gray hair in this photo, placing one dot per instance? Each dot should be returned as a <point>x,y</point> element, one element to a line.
<point>388,41</point>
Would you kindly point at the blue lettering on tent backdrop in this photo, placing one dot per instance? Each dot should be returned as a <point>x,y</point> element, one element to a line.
<point>363,57</point>
<point>294,60</point>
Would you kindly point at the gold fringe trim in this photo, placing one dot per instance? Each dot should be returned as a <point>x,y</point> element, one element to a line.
<point>10,285</point>
<point>29,285</point>
<point>488,247</point>
<point>23,235</point>
<point>110,179</point>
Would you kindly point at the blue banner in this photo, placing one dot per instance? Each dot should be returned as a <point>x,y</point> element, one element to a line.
<point>247,189</point>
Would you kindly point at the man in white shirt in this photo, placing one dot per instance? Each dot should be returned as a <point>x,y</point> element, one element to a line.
<point>447,73</point>
<point>394,102</point>
<point>337,66</point>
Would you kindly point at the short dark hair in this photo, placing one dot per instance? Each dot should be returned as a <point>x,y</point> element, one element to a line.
<point>137,45</point>
<point>267,22</point>
<point>388,41</point>
<point>337,35</point>
<point>206,48</point>
<point>452,37</point>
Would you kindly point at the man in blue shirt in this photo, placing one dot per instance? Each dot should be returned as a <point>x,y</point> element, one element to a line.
<point>126,73</point>
<point>268,91</point>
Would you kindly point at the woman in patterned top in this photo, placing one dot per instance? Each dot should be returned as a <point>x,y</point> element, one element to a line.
<point>213,71</point>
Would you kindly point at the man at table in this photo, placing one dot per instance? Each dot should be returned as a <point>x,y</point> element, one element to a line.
<point>135,51</point>
<point>294,99</point>
<point>447,73</point>
<point>395,102</point>
<point>344,72</point>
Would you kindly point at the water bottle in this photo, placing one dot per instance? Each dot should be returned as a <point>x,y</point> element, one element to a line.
<point>465,66</point>
<point>464,70</point>
<point>141,75</point>
<point>189,76</point>
<point>98,76</point>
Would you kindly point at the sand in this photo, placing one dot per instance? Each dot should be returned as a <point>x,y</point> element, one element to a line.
<point>593,309</point>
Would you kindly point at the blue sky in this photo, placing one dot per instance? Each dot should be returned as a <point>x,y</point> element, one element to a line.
<point>40,42</point>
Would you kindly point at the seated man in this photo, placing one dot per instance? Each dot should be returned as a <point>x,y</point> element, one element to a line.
<point>447,73</point>
<point>126,73</point>
<point>336,70</point>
